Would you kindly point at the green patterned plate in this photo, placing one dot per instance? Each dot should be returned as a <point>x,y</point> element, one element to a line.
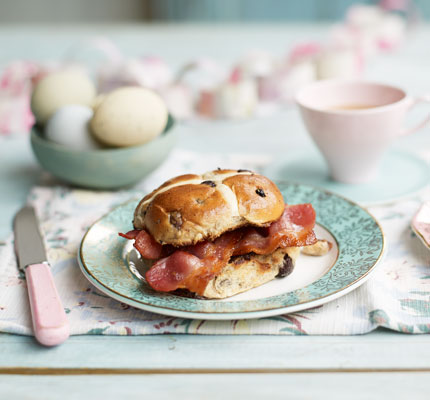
<point>110,263</point>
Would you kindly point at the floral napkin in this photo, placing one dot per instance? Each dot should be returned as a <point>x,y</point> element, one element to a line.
<point>396,296</point>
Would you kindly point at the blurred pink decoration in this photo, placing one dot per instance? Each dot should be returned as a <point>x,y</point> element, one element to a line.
<point>258,83</point>
<point>205,105</point>
<point>15,92</point>
<point>203,76</point>
<point>391,33</point>
<point>347,36</point>
<point>257,64</point>
<point>298,70</point>
<point>294,77</point>
<point>227,96</point>
<point>179,100</point>
<point>236,76</point>
<point>114,69</point>
<point>304,52</point>
<point>154,73</point>
<point>260,66</point>
<point>395,5</point>
<point>371,29</point>
<point>284,83</point>
<point>151,72</point>
<point>237,97</point>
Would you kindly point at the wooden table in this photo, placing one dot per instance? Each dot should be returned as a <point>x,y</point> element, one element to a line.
<point>213,367</point>
<point>380,364</point>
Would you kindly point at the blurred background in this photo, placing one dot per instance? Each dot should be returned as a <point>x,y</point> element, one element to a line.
<point>87,11</point>
<point>203,56</point>
<point>227,70</point>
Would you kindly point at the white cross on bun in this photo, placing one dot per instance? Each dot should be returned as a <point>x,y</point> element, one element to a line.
<point>191,208</point>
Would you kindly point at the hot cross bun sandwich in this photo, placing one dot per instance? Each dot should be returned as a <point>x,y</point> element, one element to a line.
<point>219,234</point>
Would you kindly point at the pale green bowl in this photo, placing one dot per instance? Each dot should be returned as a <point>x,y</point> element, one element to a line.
<point>105,168</point>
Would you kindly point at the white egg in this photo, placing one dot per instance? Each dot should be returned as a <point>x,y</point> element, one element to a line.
<point>70,86</point>
<point>70,126</point>
<point>129,116</point>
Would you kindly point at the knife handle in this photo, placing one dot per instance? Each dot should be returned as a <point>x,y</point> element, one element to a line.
<point>50,323</point>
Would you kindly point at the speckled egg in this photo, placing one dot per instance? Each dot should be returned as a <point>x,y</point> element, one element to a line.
<point>129,116</point>
<point>69,126</point>
<point>70,86</point>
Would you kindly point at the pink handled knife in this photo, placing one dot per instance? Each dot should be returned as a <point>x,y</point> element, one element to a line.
<point>50,323</point>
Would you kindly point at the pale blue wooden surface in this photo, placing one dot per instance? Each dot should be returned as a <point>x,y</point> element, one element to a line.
<point>307,386</point>
<point>381,365</point>
<point>332,386</point>
<point>382,350</point>
<point>277,135</point>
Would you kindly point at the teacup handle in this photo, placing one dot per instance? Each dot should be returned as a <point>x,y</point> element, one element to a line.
<point>414,102</point>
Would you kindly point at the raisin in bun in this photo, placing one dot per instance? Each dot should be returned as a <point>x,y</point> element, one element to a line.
<point>191,208</point>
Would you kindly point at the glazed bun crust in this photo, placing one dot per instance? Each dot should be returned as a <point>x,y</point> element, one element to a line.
<point>258,198</point>
<point>191,208</point>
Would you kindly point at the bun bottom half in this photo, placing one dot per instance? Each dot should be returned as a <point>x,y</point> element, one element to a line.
<point>243,273</point>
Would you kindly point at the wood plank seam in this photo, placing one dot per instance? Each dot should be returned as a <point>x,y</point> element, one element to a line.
<point>145,371</point>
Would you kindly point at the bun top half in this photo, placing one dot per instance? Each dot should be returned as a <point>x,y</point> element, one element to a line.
<point>191,208</point>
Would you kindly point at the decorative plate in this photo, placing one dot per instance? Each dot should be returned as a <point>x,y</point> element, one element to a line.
<point>111,264</point>
<point>421,224</point>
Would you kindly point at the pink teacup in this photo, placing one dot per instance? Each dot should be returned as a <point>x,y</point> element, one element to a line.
<point>353,123</point>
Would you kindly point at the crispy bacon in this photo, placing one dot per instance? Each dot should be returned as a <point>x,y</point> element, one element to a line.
<point>214,255</point>
<point>294,228</point>
<point>130,234</point>
<point>168,273</point>
<point>192,267</point>
<point>144,243</point>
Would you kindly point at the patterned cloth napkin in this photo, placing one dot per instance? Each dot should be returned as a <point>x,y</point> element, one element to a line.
<point>396,296</point>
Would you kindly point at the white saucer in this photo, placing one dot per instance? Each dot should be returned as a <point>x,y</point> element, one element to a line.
<point>402,175</point>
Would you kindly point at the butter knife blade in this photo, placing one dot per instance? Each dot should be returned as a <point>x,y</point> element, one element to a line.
<point>29,245</point>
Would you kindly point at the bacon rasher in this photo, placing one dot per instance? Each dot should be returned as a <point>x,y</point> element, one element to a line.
<point>192,267</point>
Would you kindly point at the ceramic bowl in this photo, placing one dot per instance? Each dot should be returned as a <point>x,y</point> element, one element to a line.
<point>105,168</point>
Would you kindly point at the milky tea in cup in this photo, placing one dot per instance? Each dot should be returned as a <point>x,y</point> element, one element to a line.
<point>353,123</point>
